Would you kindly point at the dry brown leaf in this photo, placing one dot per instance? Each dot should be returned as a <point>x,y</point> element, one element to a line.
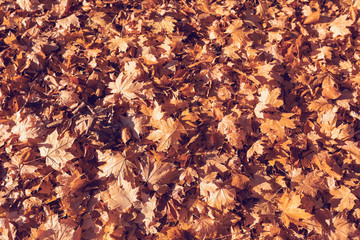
<point>267,98</point>
<point>312,18</point>
<point>168,134</point>
<point>114,164</point>
<point>291,213</point>
<point>54,150</point>
<point>119,43</point>
<point>28,5</point>
<point>347,198</point>
<point>204,227</point>
<point>121,197</point>
<point>126,86</point>
<point>256,148</point>
<point>55,228</point>
<point>330,88</point>
<point>164,24</point>
<point>340,25</point>
<point>343,229</point>
<point>68,22</point>
<point>157,173</point>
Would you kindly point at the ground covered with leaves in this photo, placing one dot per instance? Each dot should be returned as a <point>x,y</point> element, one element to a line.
<point>191,119</point>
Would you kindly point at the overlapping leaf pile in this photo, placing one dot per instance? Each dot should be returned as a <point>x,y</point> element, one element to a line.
<point>190,119</point>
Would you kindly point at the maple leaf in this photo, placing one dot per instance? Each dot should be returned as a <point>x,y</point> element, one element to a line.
<point>216,195</point>
<point>347,198</point>
<point>8,229</point>
<point>68,22</point>
<point>55,150</point>
<point>148,209</point>
<point>56,229</point>
<point>172,233</point>
<point>168,133</point>
<point>353,149</point>
<point>340,25</point>
<point>27,126</point>
<point>115,164</point>
<point>188,175</point>
<point>327,120</point>
<point>321,105</point>
<point>256,148</point>
<point>119,43</point>
<point>236,24</point>
<point>149,55</point>
<point>68,98</point>
<point>61,7</point>
<point>100,18</point>
<point>274,36</point>
<point>157,173</point>
<point>267,98</point>
<point>124,83</point>
<point>276,129</point>
<point>264,71</point>
<point>125,86</point>
<point>135,122</point>
<point>28,5</point>
<point>231,51</point>
<point>157,114</point>
<point>273,50</point>
<point>233,134</point>
<point>310,183</point>
<point>312,18</point>
<point>70,184</point>
<point>260,183</point>
<point>325,163</point>
<point>289,205</point>
<point>342,132</point>
<point>323,53</point>
<point>121,197</point>
<point>222,198</point>
<point>4,133</point>
<point>166,23</point>
<point>84,124</point>
<point>342,228</point>
<point>239,180</point>
<point>204,227</point>
<point>215,162</point>
<point>330,89</point>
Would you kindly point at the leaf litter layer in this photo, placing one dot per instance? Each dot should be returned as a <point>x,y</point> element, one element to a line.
<point>190,119</point>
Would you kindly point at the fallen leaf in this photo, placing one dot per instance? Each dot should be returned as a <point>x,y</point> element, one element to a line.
<point>347,198</point>
<point>168,134</point>
<point>291,213</point>
<point>54,150</point>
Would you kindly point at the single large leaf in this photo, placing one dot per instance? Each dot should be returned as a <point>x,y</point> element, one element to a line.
<point>168,134</point>
<point>55,150</point>
<point>289,205</point>
<point>115,164</point>
<point>121,197</point>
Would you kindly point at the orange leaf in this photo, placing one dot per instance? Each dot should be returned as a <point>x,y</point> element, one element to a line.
<point>168,133</point>
<point>291,213</point>
<point>312,18</point>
